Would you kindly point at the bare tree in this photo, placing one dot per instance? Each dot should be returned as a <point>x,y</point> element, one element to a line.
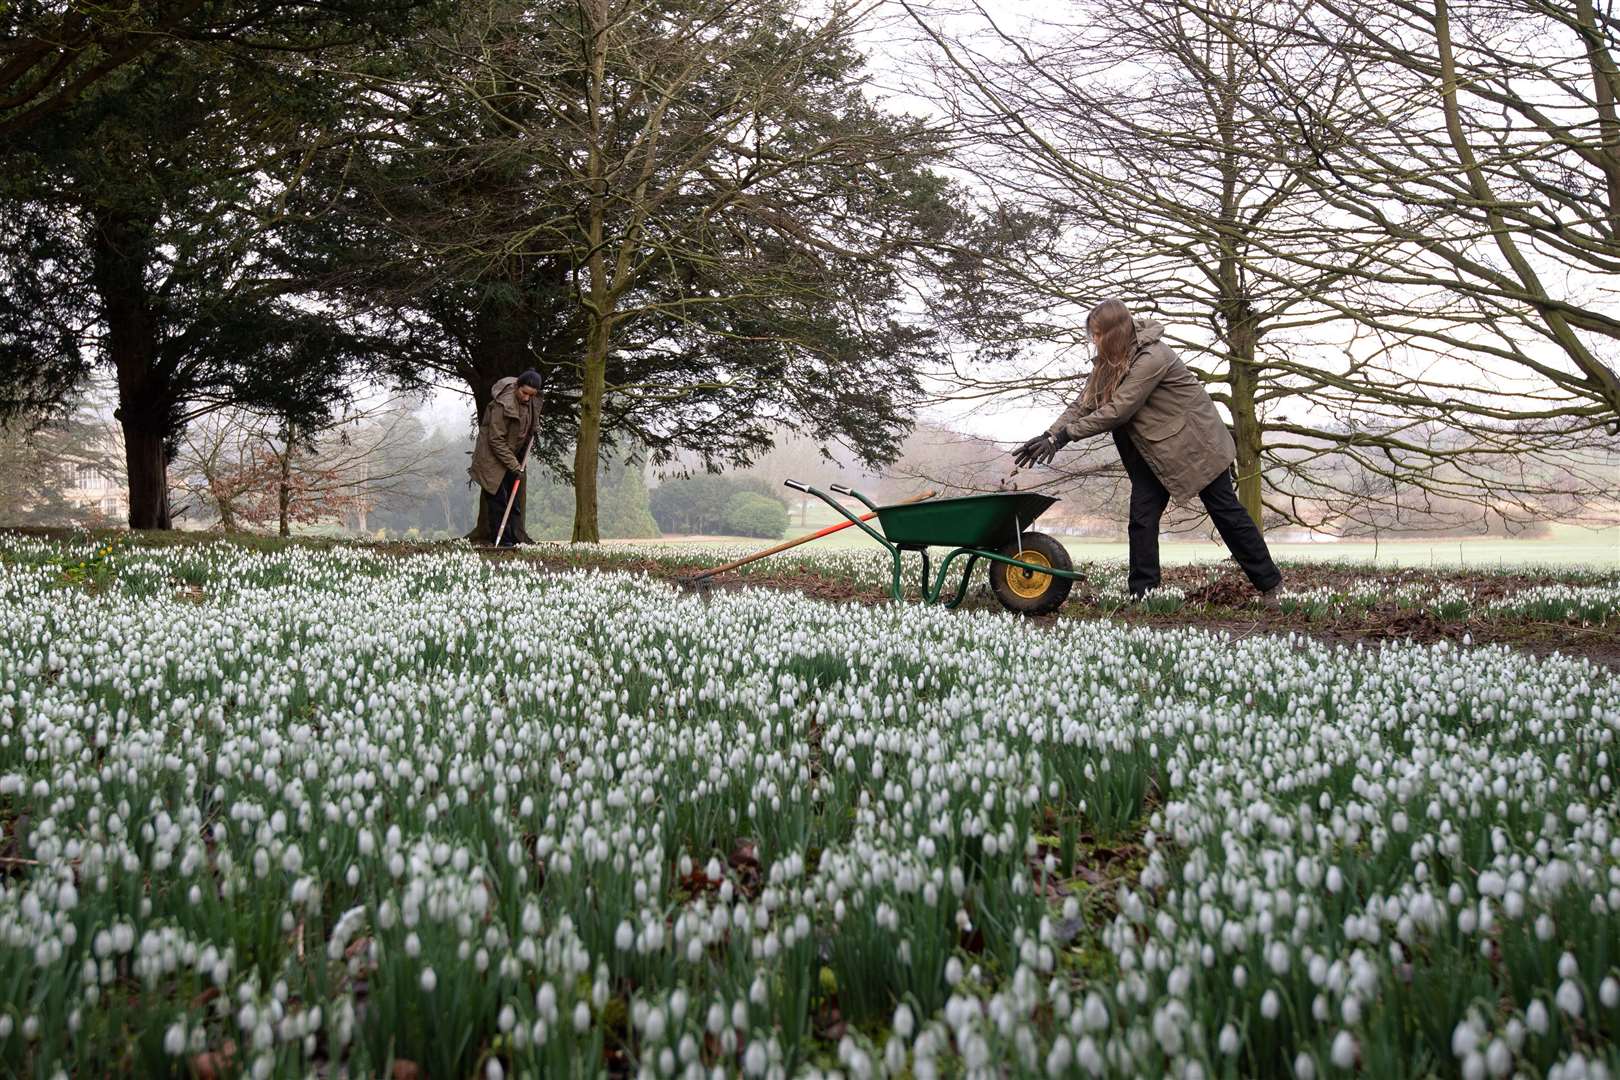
<point>1494,160</point>
<point>219,463</point>
<point>1140,132</point>
<point>254,470</point>
<point>734,215</point>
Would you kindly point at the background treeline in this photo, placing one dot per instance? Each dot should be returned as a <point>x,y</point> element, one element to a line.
<point>690,217</point>
<point>1387,234</point>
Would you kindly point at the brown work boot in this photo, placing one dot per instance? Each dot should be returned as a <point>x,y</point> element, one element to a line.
<point>1271,599</point>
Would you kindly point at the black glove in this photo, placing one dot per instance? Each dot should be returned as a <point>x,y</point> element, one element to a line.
<point>1039,450</point>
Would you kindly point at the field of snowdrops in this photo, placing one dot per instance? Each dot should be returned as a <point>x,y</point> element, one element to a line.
<point>331,813</point>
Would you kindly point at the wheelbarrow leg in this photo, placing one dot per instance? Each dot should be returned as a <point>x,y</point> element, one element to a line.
<point>935,592</point>
<point>925,580</point>
<point>894,552</point>
<point>945,572</point>
<point>961,590</point>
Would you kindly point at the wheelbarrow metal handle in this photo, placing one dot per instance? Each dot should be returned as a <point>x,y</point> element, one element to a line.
<point>797,486</point>
<point>840,489</point>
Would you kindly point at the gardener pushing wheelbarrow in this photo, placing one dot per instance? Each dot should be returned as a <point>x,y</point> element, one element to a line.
<point>1170,439</point>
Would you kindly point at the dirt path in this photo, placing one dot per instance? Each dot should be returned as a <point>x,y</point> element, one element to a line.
<point>1226,604</point>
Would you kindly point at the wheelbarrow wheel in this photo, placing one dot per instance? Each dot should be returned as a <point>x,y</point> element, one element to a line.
<point>1030,591</point>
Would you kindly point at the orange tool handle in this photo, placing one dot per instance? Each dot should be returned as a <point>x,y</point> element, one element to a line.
<point>805,539</point>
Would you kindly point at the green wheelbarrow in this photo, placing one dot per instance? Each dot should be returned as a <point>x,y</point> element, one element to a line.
<point>1030,572</point>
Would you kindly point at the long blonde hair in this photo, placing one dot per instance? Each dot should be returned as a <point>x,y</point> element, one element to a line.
<point>1113,335</point>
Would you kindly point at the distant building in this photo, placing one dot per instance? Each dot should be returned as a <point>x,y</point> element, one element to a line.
<point>98,490</point>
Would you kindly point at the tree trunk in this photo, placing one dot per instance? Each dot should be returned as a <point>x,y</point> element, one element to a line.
<point>1605,80</point>
<point>588,447</point>
<point>119,248</point>
<point>284,487</point>
<point>227,514</point>
<point>1243,378</point>
<point>146,459</point>
<point>1241,330</point>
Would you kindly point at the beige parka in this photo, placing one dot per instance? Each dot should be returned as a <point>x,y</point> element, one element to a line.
<point>1167,413</point>
<point>502,435</point>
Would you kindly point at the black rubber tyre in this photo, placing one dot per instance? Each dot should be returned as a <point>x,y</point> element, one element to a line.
<point>1026,591</point>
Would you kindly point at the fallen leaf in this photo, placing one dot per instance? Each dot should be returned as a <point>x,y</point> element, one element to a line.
<point>214,1064</point>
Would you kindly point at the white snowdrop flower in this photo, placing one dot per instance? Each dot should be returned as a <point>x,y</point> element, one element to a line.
<point>1609,992</point>
<point>1568,968</point>
<point>1270,1005</point>
<point>903,1023</point>
<point>624,938</point>
<point>1535,1017</point>
<point>1057,1059</point>
<point>1304,1066</point>
<point>755,1059</point>
<point>429,980</point>
<point>1227,1042</point>
<point>493,1070</point>
<point>174,1040</point>
<point>1473,1066</point>
<point>1180,979</point>
<point>582,1017</point>
<point>1090,1058</point>
<point>1544,927</point>
<point>1344,1051</point>
<point>1094,1015</point>
<point>1569,997</point>
<point>1498,1058</point>
<point>953,971</point>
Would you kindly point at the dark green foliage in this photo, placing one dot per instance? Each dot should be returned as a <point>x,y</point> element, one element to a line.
<point>706,504</point>
<point>751,514</point>
<point>136,233</point>
<point>624,510</point>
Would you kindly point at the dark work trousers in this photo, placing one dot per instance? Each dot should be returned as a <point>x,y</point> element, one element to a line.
<point>497,507</point>
<point>1148,500</point>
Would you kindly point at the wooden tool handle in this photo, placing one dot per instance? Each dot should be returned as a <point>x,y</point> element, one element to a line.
<point>805,539</point>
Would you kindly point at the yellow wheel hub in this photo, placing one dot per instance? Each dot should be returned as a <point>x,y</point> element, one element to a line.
<point>1029,583</point>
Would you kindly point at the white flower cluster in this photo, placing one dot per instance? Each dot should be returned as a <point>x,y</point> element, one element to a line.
<point>350,807</point>
<point>1561,602</point>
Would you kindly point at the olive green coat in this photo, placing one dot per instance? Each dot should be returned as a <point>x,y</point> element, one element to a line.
<point>1167,413</point>
<point>502,435</point>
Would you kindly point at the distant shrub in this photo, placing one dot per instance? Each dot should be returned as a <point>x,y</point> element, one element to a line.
<point>704,504</point>
<point>750,514</point>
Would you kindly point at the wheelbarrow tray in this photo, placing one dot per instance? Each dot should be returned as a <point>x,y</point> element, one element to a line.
<point>971,521</point>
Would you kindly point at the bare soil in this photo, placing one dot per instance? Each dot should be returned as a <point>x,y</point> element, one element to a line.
<point>1227,603</point>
